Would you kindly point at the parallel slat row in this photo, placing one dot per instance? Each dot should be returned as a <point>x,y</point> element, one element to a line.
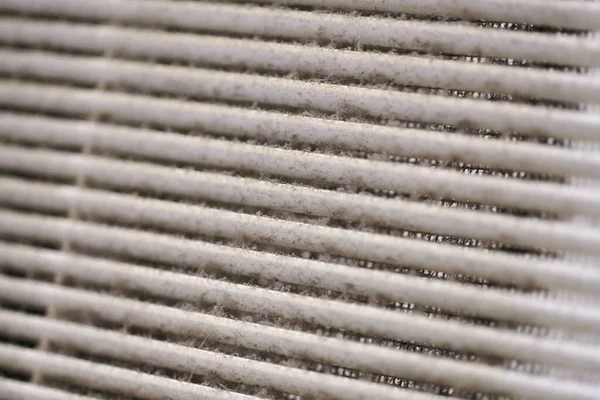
<point>361,174</point>
<point>179,218</point>
<point>261,125</point>
<point>282,57</point>
<point>206,186</point>
<point>203,362</point>
<point>12,389</point>
<point>557,13</point>
<point>363,319</point>
<point>104,377</point>
<point>201,151</point>
<point>168,215</point>
<point>496,266</point>
<point>253,372</point>
<point>317,168</point>
<point>391,33</point>
<point>395,213</point>
<point>202,83</point>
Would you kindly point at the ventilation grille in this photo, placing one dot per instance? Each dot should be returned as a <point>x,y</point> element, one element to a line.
<point>224,200</point>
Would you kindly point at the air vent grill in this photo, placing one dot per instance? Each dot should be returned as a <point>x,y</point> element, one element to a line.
<point>299,199</point>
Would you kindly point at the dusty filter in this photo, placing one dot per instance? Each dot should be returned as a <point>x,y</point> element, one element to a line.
<point>299,199</point>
